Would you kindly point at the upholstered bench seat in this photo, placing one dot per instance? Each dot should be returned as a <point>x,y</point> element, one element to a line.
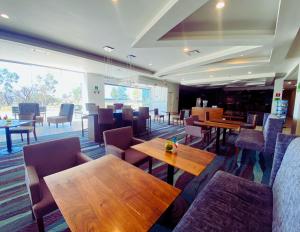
<point>230,203</point>
<point>251,139</point>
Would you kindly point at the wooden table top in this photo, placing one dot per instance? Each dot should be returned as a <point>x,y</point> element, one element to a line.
<point>218,125</point>
<point>227,121</point>
<point>187,158</point>
<point>109,194</point>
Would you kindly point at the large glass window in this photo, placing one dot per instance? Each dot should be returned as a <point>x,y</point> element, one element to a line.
<point>47,86</point>
<point>151,96</point>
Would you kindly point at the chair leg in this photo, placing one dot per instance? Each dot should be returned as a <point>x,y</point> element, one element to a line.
<point>32,214</point>
<point>40,224</point>
<point>28,138</point>
<point>150,165</point>
<point>186,139</point>
<point>22,137</point>
<point>34,133</point>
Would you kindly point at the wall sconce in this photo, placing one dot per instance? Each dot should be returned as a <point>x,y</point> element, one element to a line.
<point>96,89</point>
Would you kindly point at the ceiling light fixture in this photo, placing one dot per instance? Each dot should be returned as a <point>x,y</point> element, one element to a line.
<point>185,49</point>
<point>108,49</point>
<point>5,16</point>
<point>114,1</point>
<point>220,5</point>
<point>211,75</point>
<point>242,55</point>
<point>150,64</point>
<point>249,73</point>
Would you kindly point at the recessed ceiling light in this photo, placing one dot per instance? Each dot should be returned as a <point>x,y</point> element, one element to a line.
<point>114,1</point>
<point>186,49</point>
<point>241,55</point>
<point>220,5</point>
<point>249,73</point>
<point>211,75</point>
<point>150,64</point>
<point>108,49</point>
<point>5,16</point>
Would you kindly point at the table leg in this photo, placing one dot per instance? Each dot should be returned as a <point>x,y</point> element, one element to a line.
<point>224,136</point>
<point>170,175</point>
<point>218,141</point>
<point>82,130</point>
<point>8,139</point>
<point>169,118</point>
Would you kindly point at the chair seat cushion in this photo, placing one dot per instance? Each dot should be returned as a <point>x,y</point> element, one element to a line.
<point>134,157</point>
<point>57,119</point>
<point>229,203</point>
<point>47,203</point>
<point>250,139</point>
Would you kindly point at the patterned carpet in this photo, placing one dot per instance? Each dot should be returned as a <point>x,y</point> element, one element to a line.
<point>15,214</point>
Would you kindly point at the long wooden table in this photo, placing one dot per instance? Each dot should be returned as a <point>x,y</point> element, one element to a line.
<point>219,125</point>
<point>188,159</point>
<point>109,194</point>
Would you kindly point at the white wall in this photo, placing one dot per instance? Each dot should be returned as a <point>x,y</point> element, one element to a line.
<point>90,81</point>
<point>278,88</point>
<point>297,100</point>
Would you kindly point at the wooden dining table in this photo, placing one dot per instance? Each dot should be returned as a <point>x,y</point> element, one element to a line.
<point>218,125</point>
<point>186,158</point>
<point>109,194</point>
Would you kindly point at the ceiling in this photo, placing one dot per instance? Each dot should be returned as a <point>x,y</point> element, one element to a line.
<point>245,43</point>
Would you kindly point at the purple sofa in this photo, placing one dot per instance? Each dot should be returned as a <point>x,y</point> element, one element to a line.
<point>231,203</point>
<point>44,159</point>
<point>262,141</point>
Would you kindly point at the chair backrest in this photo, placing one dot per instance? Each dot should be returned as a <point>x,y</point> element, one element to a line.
<point>91,108</point>
<point>144,112</point>
<point>29,108</point>
<point>155,111</point>
<point>273,126</point>
<point>30,116</point>
<point>118,106</point>
<point>120,137</point>
<point>251,119</point>
<point>67,111</point>
<point>127,114</point>
<point>15,109</point>
<point>195,117</point>
<point>53,156</point>
<point>181,114</point>
<point>105,116</point>
<point>286,189</point>
<point>189,121</point>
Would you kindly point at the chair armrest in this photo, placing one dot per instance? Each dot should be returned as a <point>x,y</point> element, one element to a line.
<point>82,158</point>
<point>282,142</point>
<point>135,141</point>
<point>111,149</point>
<point>33,184</point>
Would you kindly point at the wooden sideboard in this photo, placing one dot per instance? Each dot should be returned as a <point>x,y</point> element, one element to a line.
<point>214,113</point>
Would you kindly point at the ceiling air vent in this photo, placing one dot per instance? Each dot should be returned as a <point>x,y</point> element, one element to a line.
<point>193,52</point>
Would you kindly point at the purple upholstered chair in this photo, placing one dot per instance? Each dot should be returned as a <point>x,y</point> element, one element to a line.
<point>118,106</point>
<point>106,121</point>
<point>262,141</point>
<point>118,142</point>
<point>251,122</point>
<point>231,203</point>
<point>191,130</point>
<point>144,115</point>
<point>44,159</point>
